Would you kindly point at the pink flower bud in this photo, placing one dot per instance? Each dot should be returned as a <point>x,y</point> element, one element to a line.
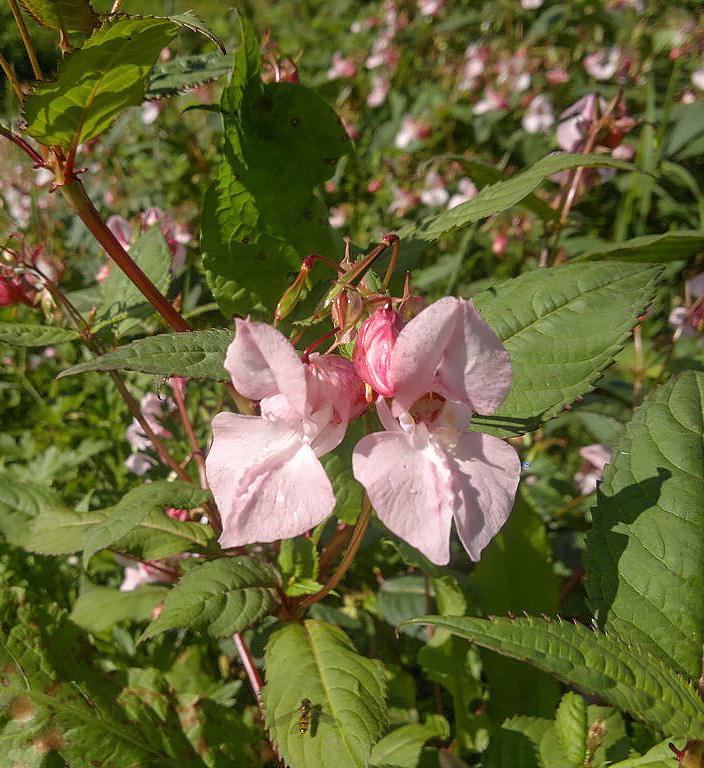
<point>499,244</point>
<point>10,294</point>
<point>332,379</point>
<point>372,350</point>
<point>178,514</point>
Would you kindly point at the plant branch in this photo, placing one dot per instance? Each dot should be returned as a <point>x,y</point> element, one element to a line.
<point>355,542</point>
<point>26,39</point>
<point>255,679</point>
<point>36,158</point>
<point>12,78</point>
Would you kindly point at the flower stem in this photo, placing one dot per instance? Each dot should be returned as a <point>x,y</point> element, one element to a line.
<point>12,78</point>
<point>36,158</point>
<point>255,679</point>
<point>355,542</point>
<point>26,39</point>
<point>75,194</point>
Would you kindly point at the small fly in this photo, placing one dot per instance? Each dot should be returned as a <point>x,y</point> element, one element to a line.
<point>304,709</point>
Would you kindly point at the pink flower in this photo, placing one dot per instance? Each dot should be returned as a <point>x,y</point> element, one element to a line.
<point>603,64</point>
<point>466,190</point>
<point>491,102</point>
<point>150,112</point>
<point>122,229</point>
<point>557,76</point>
<point>539,116</point>
<point>372,350</point>
<point>264,471</point>
<point>411,130</point>
<point>577,121</point>
<point>434,193</point>
<point>512,73</point>
<point>698,78</point>
<point>430,7</point>
<point>341,67</point>
<point>338,217</point>
<point>531,5</point>
<point>379,92</point>
<point>403,201</point>
<point>477,57</point>
<point>499,243</point>
<point>427,469</point>
<point>596,457</point>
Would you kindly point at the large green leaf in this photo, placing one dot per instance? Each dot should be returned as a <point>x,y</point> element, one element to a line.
<point>505,194</point>
<point>571,727</point>
<point>645,553</point>
<point>671,246</point>
<point>626,676</point>
<point>562,328</point>
<point>96,82</point>
<point>221,596</point>
<point>26,335</point>
<point>260,215</point>
<point>60,531</point>
<point>402,747</point>
<point>20,503</point>
<point>140,504</point>
<point>101,607</point>
<point>66,15</point>
<point>194,355</point>
<point>184,72</point>
<point>347,692</point>
<point>516,574</point>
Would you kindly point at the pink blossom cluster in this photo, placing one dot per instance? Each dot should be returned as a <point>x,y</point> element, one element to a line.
<point>424,470</point>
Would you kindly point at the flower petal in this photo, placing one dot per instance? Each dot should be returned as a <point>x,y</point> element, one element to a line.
<point>476,368</point>
<point>409,485</point>
<point>419,348</point>
<point>267,482</point>
<point>263,363</point>
<point>487,476</point>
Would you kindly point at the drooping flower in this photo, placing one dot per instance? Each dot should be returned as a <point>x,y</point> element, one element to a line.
<point>539,116</point>
<point>264,470</point>
<point>595,458</point>
<point>411,130</point>
<point>427,469</point>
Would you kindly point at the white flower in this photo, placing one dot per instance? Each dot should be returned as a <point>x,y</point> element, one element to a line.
<point>466,190</point>
<point>603,64</point>
<point>539,116</point>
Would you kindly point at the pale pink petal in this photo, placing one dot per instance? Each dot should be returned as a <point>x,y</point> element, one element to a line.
<point>596,454</point>
<point>486,476</point>
<point>263,363</point>
<point>408,482</point>
<point>476,368</point>
<point>267,482</point>
<point>419,349</point>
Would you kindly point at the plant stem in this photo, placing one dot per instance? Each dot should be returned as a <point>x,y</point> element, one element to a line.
<point>76,196</point>
<point>26,39</point>
<point>355,542</point>
<point>12,78</point>
<point>334,547</point>
<point>37,159</point>
<point>179,389</point>
<point>255,679</point>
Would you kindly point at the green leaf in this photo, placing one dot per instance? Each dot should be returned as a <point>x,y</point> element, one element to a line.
<point>571,727</point>
<point>505,194</point>
<point>120,294</point>
<point>298,562</point>
<point>66,15</point>
<point>317,661</point>
<point>514,575</point>
<point>260,215</point>
<point>525,742</point>
<point>26,335</point>
<point>402,598</point>
<point>562,328</point>
<point>671,246</point>
<point>102,607</point>
<point>402,747</point>
<point>626,676</point>
<point>20,503</point>
<point>645,551</point>
<point>138,504</point>
<point>194,355</point>
<point>338,466</point>
<point>60,531</point>
<point>96,82</point>
<point>158,536</point>
<point>660,756</point>
<point>189,20</point>
<point>221,596</point>
<point>184,72</point>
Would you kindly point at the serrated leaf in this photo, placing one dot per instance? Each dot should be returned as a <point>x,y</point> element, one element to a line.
<point>660,756</point>
<point>626,676</point>
<point>646,547</point>
<point>260,215</point>
<point>136,506</point>
<point>20,503</point>
<point>571,728</point>
<point>505,194</point>
<point>221,597</point>
<point>516,574</point>
<point>96,82</point>
<point>671,246</point>
<point>61,531</point>
<point>403,597</point>
<point>66,15</point>
<point>184,72</point>
<point>120,295</point>
<point>194,355</point>
<point>525,742</point>
<point>402,747</point>
<point>562,328</point>
<point>102,607</point>
<point>158,536</point>
<point>26,335</point>
<point>189,20</point>
<point>317,661</point>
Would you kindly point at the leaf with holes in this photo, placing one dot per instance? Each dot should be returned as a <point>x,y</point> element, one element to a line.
<point>347,695</point>
<point>96,82</point>
<point>221,597</point>
<point>194,355</point>
<point>505,194</point>
<point>626,676</point>
<point>138,505</point>
<point>562,327</point>
<point>260,215</point>
<point>645,551</point>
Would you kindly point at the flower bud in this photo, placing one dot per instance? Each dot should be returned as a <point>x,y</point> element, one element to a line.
<point>372,350</point>
<point>346,309</point>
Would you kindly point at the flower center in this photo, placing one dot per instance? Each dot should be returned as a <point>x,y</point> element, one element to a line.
<point>428,408</point>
